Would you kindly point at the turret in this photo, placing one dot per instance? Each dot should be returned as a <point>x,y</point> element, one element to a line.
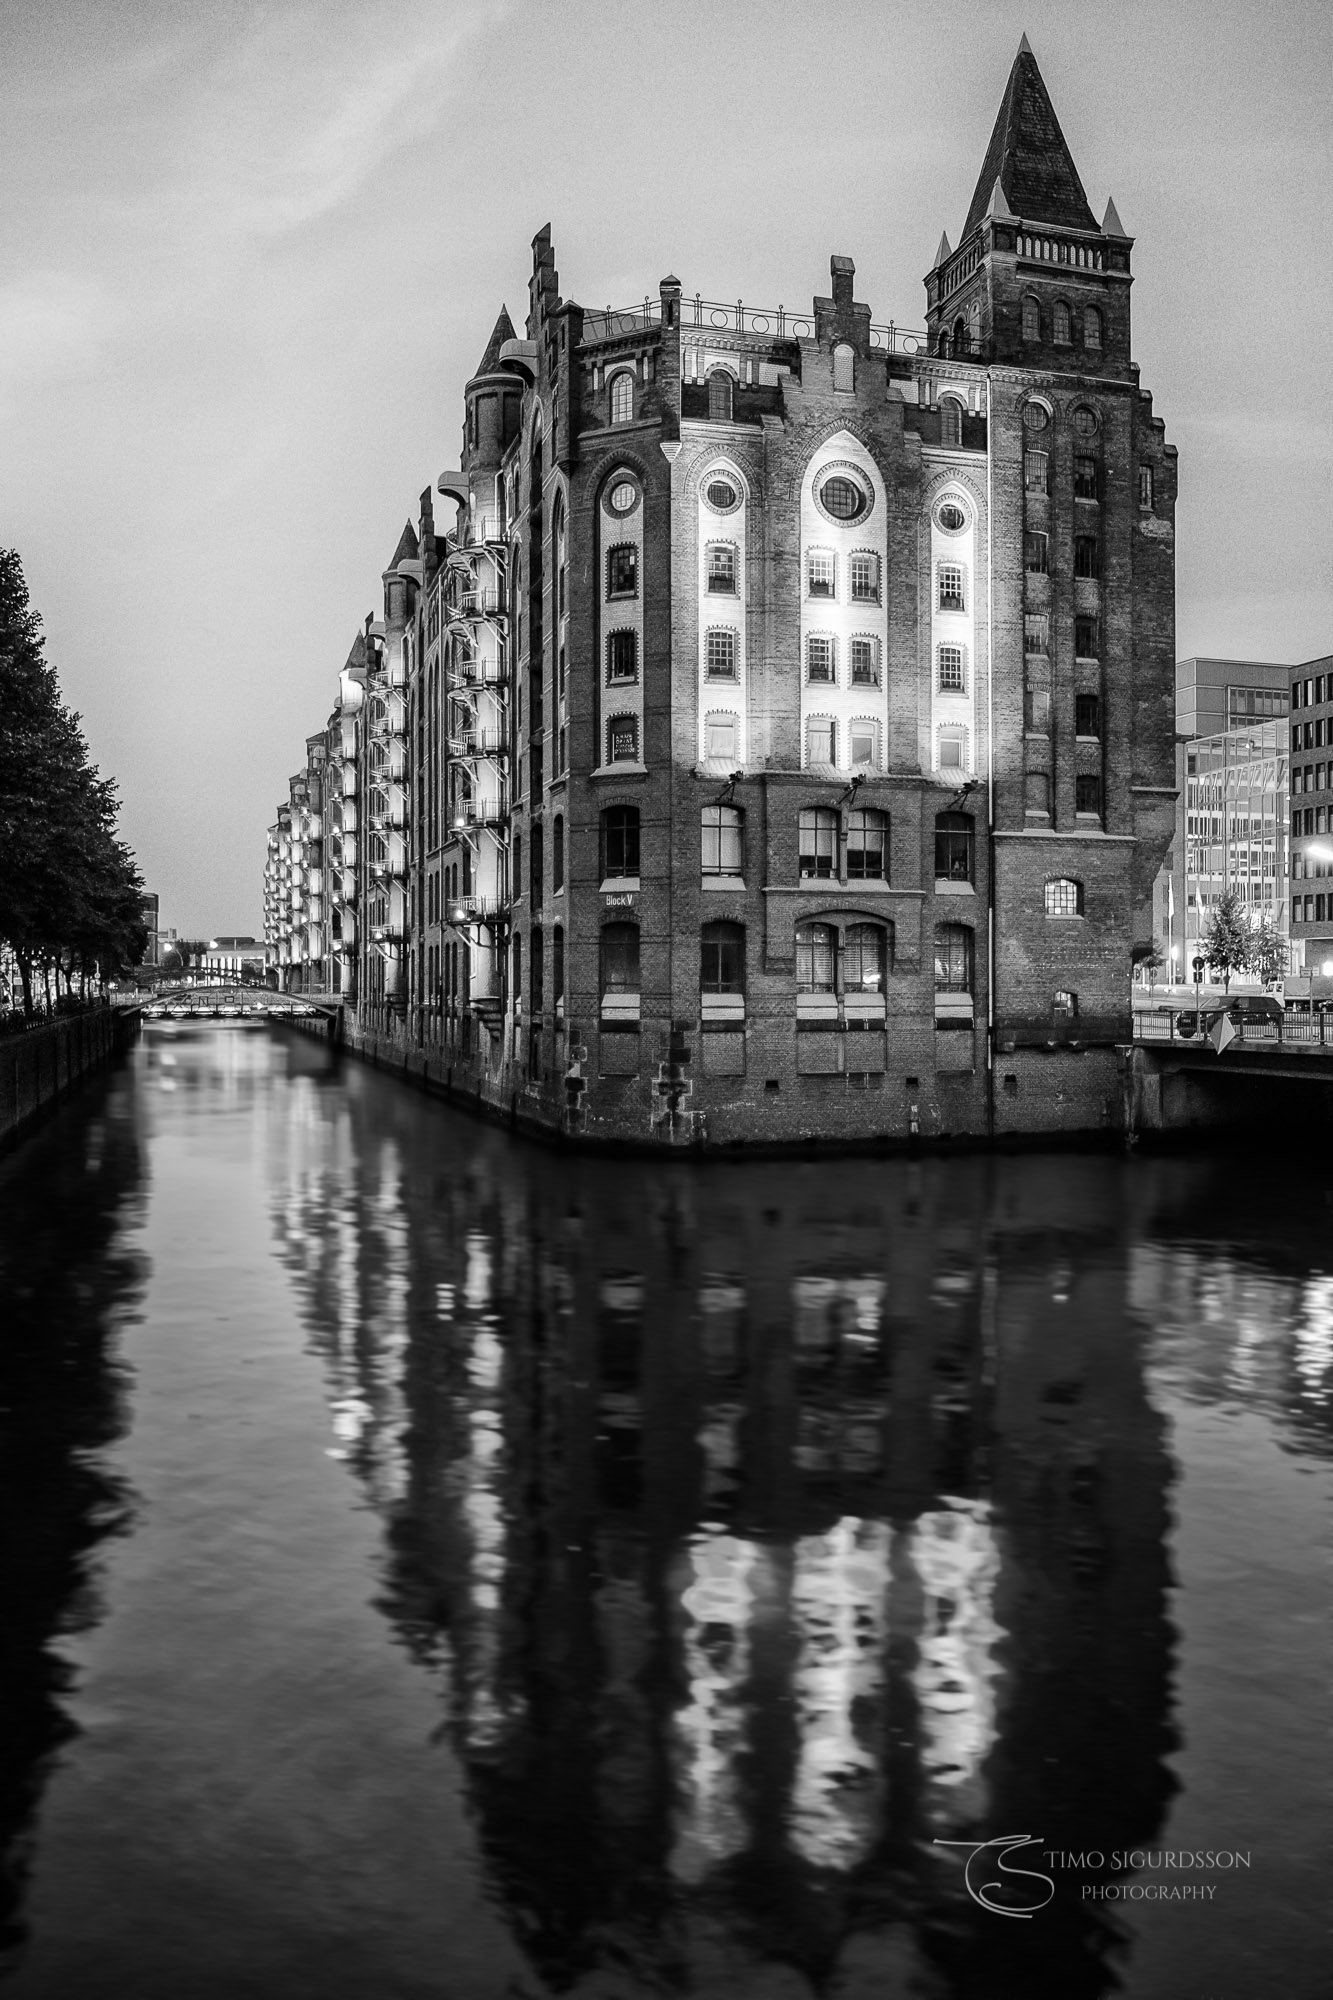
<point>1034,281</point>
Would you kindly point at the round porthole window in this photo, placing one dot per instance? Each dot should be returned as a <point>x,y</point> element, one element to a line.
<point>843,499</point>
<point>722,496</point>
<point>1035,416</point>
<point>950,517</point>
<point>1085,421</point>
<point>623,497</point>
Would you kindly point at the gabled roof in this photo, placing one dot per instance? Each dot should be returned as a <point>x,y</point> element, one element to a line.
<point>1028,156</point>
<point>502,331</point>
<point>407,549</point>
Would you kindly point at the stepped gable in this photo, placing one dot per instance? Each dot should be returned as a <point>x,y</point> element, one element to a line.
<point>1028,156</point>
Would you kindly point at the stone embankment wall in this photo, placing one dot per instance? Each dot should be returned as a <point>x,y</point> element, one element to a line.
<point>38,1068</point>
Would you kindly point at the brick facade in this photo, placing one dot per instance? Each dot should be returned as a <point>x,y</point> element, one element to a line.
<point>701,563</point>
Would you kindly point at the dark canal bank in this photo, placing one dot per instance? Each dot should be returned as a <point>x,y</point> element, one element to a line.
<point>432,1566</point>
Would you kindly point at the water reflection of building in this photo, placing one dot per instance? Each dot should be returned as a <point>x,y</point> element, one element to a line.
<point>68,1276</point>
<point>768,1525</point>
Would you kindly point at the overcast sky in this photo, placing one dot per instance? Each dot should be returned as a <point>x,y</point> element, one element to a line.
<point>249,254</point>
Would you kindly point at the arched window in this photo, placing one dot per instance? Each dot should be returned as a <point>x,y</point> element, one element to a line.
<point>959,336</point>
<point>720,566</point>
<point>816,958</point>
<point>944,343</point>
<point>866,957</point>
<point>536,961</point>
<point>951,421</point>
<point>518,973</point>
<point>620,843</point>
<point>953,958</point>
<point>818,844</point>
<point>620,958</point>
<point>863,743</point>
<point>622,397</point>
<point>1092,328</point>
<point>954,841</point>
<point>1064,897</point>
<point>844,366</point>
<point>1031,318</point>
<point>1060,324</point>
<point>719,396</point>
<point>536,869</point>
<point>558,967</point>
<point>722,737</point>
<point>622,739</point>
<point>821,740</point>
<point>867,846</point>
<point>722,958</point>
<point>557,854</point>
<point>723,840</point>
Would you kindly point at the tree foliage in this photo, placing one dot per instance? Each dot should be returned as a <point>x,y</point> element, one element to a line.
<point>70,891</point>
<point>1227,940</point>
<point>1270,954</point>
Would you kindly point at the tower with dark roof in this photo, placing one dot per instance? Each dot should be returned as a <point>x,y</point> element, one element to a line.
<point>1034,278</point>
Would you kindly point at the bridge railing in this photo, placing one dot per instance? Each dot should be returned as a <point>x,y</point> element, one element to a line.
<point>1163,1024</point>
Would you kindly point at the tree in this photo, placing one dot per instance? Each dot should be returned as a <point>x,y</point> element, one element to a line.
<point>1227,941</point>
<point>1270,954</point>
<point>70,892</point>
<point>192,950</point>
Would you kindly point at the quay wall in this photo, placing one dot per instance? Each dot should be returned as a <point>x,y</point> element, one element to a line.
<point>40,1067</point>
<point>1041,1100</point>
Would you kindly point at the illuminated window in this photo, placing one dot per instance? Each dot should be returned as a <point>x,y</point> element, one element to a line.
<point>819,658</point>
<point>863,661</point>
<point>953,958</point>
<point>622,397</point>
<point>721,569</point>
<point>866,956</point>
<point>1064,898</point>
<point>821,741</point>
<point>720,654</point>
<point>820,574</point>
<point>864,575</point>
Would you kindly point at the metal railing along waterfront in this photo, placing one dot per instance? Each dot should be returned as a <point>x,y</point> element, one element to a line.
<point>1179,1026</point>
<point>717,316</point>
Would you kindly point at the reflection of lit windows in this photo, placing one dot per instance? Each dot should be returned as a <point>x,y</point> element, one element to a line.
<point>954,1553</point>
<point>839,1610</point>
<point>715,1613</point>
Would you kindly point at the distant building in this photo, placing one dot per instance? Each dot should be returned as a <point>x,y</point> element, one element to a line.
<point>1215,697</point>
<point>150,910</point>
<point>1311,728</point>
<point>230,957</point>
<point>295,906</point>
<point>1235,804</point>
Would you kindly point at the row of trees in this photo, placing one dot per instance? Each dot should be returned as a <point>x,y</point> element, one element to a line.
<point>71,896</point>
<point>1234,941</point>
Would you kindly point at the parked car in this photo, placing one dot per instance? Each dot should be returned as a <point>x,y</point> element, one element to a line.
<point>1254,1010</point>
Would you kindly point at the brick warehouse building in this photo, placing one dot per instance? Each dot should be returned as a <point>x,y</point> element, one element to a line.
<point>780,743</point>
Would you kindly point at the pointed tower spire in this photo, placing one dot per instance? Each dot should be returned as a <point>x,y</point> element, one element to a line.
<point>406,550</point>
<point>1028,156</point>
<point>502,331</point>
<point>999,207</point>
<point>1111,223</point>
<point>945,251</point>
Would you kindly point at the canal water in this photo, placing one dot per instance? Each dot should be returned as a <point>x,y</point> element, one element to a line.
<point>431,1566</point>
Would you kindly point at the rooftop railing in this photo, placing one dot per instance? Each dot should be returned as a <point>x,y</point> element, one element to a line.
<point>773,322</point>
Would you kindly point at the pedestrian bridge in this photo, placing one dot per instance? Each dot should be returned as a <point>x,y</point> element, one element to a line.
<point>1297,1045</point>
<point>232,1001</point>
